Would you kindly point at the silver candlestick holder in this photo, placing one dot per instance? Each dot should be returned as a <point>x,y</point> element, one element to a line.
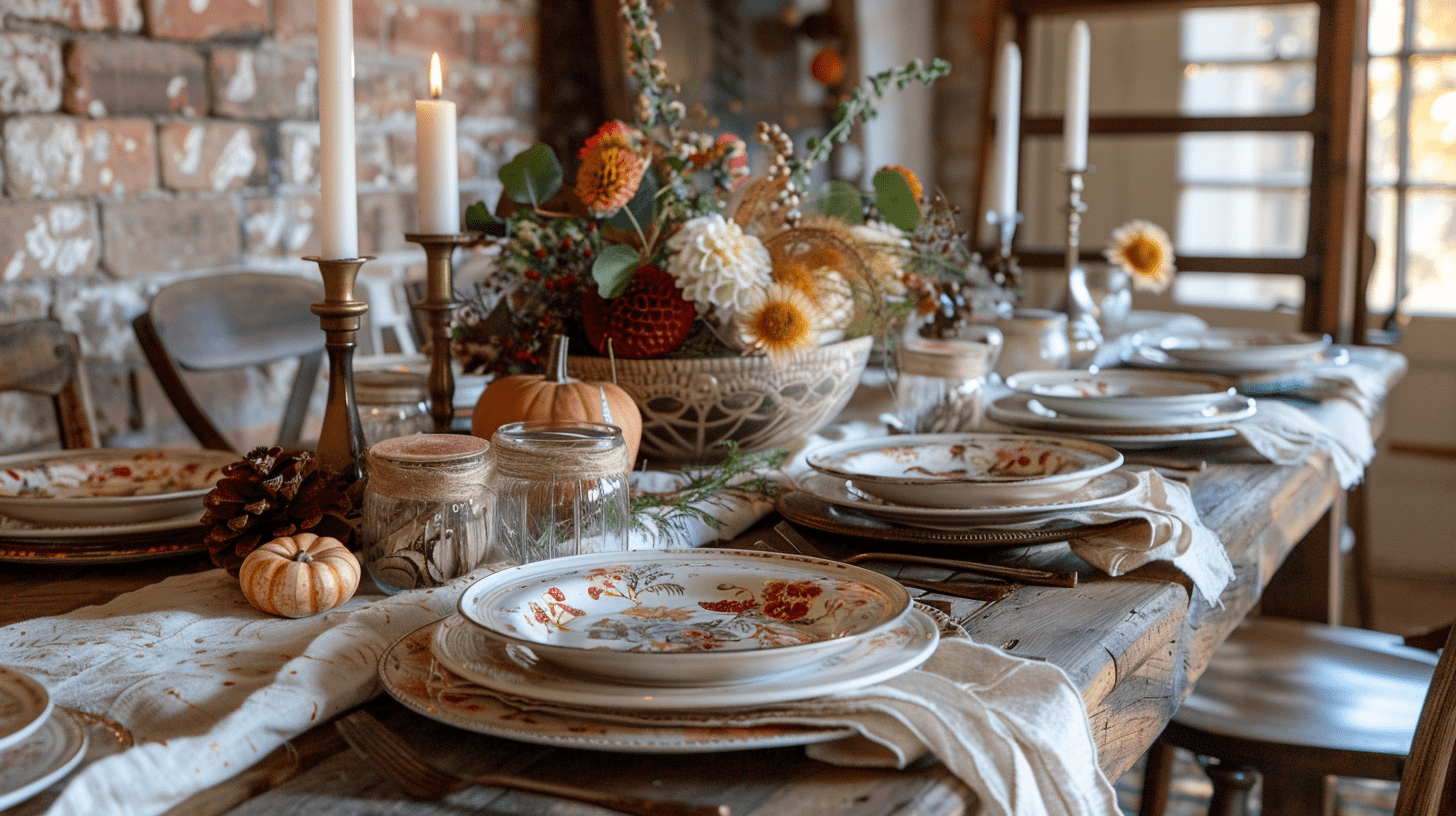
<point>1084,334</point>
<point>439,304</point>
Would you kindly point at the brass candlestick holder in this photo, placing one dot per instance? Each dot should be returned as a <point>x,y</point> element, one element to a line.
<point>1083,332</point>
<point>341,439</point>
<point>440,304</point>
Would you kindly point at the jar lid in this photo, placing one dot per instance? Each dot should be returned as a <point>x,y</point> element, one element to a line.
<point>429,448</point>
<point>947,359</point>
<point>390,387</point>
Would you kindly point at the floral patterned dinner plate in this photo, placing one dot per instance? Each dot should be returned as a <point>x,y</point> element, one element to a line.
<point>965,470</point>
<point>517,672</point>
<point>683,617</point>
<point>412,675</point>
<point>1124,393</point>
<point>1243,347</point>
<point>101,486</point>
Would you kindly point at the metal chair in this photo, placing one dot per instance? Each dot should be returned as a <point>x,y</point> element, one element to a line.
<point>41,357</point>
<point>1298,703</point>
<point>231,321</point>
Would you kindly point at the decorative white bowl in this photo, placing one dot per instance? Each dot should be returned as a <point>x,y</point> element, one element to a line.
<point>965,470</point>
<point>103,486</point>
<point>689,406</point>
<point>684,617</point>
<point>1124,393</point>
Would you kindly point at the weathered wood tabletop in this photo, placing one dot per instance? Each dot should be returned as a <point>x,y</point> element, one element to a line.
<point>1132,644</point>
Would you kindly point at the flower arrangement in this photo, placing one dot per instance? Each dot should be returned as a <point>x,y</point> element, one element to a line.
<point>665,246</point>
<point>1144,251</point>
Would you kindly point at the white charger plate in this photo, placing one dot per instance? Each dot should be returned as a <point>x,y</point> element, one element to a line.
<point>37,762</point>
<point>412,675</point>
<point>1159,396</point>
<point>1148,355</point>
<point>510,669</point>
<point>684,617</point>
<point>1104,489</point>
<point>967,469</point>
<point>1024,411</point>
<point>105,486</point>
<point>24,705</point>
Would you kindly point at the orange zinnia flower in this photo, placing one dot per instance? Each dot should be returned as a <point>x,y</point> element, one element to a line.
<point>611,170</point>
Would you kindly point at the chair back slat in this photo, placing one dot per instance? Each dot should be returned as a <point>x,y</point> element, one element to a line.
<point>1428,785</point>
<point>41,357</point>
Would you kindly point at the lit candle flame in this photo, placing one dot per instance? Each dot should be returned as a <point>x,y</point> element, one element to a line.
<point>437,84</point>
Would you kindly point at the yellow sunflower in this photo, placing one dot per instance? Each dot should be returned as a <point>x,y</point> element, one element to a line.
<point>1144,250</point>
<point>781,321</point>
<point>611,170</point>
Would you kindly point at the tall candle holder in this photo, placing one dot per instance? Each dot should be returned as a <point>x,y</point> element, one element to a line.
<point>1083,332</point>
<point>341,438</point>
<point>439,303</point>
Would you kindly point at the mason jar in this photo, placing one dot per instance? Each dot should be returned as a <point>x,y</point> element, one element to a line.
<point>392,403</point>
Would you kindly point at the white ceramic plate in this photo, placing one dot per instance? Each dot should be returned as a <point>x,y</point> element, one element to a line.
<point>965,470</point>
<point>412,675</point>
<point>684,617</point>
<point>38,761</point>
<point>1024,411</point>
<point>1104,489</point>
<point>100,486</point>
<point>1254,347</point>
<point>473,654</point>
<point>1160,396</point>
<point>101,534</point>
<point>24,705</point>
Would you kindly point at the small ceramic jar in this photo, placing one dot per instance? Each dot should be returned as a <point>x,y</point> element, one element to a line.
<point>1033,340</point>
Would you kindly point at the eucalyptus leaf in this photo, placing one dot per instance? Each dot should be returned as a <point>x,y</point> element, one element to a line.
<point>533,176</point>
<point>613,268</point>
<point>895,201</point>
<point>843,201</point>
<point>478,218</point>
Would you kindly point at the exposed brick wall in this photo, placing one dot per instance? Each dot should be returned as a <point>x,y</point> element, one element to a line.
<point>142,141</point>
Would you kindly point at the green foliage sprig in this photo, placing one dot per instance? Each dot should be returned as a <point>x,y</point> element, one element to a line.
<point>705,484</point>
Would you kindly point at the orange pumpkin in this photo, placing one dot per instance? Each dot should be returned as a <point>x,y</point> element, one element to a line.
<point>556,396</point>
<point>299,575</point>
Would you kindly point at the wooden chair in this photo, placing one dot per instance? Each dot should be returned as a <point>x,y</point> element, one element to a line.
<point>41,357</point>
<point>1298,703</point>
<point>232,321</point>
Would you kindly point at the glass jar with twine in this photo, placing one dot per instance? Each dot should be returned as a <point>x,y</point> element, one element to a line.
<point>426,510</point>
<point>560,489</point>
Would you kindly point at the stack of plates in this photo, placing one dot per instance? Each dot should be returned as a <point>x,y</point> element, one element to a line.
<point>963,481</point>
<point>100,505</point>
<point>1124,408</point>
<point>1235,351</point>
<point>634,633</point>
<point>39,743</point>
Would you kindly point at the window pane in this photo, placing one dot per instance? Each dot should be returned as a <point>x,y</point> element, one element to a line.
<point>1242,222</point>
<point>1281,159</point>
<point>1271,89</point>
<point>1430,234</point>
<point>1384,143</point>
<point>1255,34</point>
<point>1380,223</point>
<point>1433,120</point>
<point>1435,24</point>
<point>1387,26</point>
<point>1238,290</point>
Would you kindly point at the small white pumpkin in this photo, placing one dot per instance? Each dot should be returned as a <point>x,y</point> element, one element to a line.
<point>299,575</point>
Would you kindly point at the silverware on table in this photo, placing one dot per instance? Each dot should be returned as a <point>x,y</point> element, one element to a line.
<point>1016,574</point>
<point>391,757</point>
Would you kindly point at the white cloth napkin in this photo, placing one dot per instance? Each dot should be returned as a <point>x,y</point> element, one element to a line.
<point>206,684</point>
<point>733,511</point>
<point>1014,730</point>
<point>1287,435</point>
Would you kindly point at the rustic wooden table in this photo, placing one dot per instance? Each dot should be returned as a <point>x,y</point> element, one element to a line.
<point>1132,644</point>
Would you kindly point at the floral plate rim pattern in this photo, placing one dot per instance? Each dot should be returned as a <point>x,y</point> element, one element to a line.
<point>517,671</point>
<point>683,617</point>
<point>105,510</point>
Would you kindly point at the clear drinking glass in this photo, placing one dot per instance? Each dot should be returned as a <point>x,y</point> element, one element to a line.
<point>426,510</point>
<point>939,383</point>
<point>560,489</point>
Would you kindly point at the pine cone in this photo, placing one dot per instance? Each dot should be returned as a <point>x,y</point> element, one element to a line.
<point>272,493</point>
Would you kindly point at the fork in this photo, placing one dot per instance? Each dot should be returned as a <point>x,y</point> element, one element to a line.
<point>390,756</point>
